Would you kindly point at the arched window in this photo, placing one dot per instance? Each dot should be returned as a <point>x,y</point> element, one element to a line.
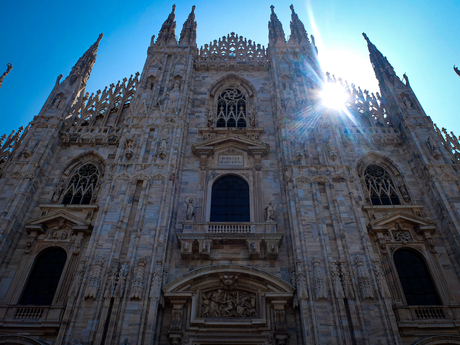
<point>44,279</point>
<point>230,200</point>
<point>382,190</point>
<point>81,185</point>
<point>415,279</point>
<point>231,109</point>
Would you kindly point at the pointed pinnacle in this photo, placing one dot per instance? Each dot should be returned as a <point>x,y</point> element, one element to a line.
<point>365,37</point>
<point>272,8</point>
<point>292,8</point>
<point>193,8</point>
<point>173,8</point>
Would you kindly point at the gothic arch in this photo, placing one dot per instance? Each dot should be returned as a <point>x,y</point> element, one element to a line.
<point>273,283</point>
<point>378,159</point>
<point>439,340</point>
<point>87,157</point>
<point>13,339</point>
<point>235,80</point>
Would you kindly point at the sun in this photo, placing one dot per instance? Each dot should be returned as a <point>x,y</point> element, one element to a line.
<point>334,96</point>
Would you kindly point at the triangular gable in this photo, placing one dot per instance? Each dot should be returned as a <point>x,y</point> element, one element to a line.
<point>419,223</point>
<point>77,222</point>
<point>230,139</point>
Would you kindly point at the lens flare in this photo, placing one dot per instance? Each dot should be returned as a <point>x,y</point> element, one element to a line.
<point>334,96</point>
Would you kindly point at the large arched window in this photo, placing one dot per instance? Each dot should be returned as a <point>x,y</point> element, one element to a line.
<point>231,109</point>
<point>415,279</point>
<point>81,186</point>
<point>230,200</point>
<point>382,190</point>
<point>44,279</point>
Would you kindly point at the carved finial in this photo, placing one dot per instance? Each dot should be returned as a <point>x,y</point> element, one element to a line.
<point>174,8</point>
<point>457,70</point>
<point>292,8</point>
<point>193,8</point>
<point>9,67</point>
<point>272,8</point>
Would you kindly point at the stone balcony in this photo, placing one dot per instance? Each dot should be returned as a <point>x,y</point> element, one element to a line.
<point>203,240</point>
<point>43,319</point>
<point>440,319</point>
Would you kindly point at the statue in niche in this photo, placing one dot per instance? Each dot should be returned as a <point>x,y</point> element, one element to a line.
<point>434,150</point>
<point>163,148</point>
<point>407,101</point>
<point>190,209</point>
<point>58,192</point>
<point>270,212</point>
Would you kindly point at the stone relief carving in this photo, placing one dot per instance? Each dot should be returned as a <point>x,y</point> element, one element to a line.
<point>336,283</point>
<point>137,284</point>
<point>228,303</point>
<point>364,280</point>
<point>381,281</point>
<point>95,278</point>
<point>129,148</point>
<point>402,236</point>
<point>190,208</point>
<point>76,284</point>
<point>121,279</point>
<point>302,291</point>
<point>319,279</point>
<point>433,148</point>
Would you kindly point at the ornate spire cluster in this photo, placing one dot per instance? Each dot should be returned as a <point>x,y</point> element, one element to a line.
<point>298,32</point>
<point>168,29</point>
<point>188,33</point>
<point>275,28</point>
<point>369,105</point>
<point>85,64</point>
<point>232,47</point>
<point>9,67</point>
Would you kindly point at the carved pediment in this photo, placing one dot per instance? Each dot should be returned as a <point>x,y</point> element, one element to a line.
<point>398,219</point>
<point>230,140</point>
<point>59,219</point>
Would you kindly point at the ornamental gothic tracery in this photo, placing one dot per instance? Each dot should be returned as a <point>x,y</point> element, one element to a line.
<point>231,109</point>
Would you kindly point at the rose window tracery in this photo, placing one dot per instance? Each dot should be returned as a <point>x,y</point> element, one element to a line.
<point>380,185</point>
<point>231,109</point>
<point>81,186</point>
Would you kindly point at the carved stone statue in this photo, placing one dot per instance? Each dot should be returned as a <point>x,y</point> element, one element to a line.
<point>162,150</point>
<point>9,67</point>
<point>190,209</point>
<point>270,212</point>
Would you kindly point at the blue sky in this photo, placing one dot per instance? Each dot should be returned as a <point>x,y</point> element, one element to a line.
<point>43,39</point>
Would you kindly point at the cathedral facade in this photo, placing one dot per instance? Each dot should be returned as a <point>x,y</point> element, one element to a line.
<point>214,199</point>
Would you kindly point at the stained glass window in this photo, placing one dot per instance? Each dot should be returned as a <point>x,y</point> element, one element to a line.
<point>231,109</point>
<point>81,185</point>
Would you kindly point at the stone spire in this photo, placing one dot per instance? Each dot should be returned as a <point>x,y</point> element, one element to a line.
<point>168,29</point>
<point>188,33</point>
<point>382,68</point>
<point>9,67</point>
<point>275,28</point>
<point>298,32</point>
<point>85,64</point>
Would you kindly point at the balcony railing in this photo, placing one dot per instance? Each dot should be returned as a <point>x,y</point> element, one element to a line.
<point>230,228</point>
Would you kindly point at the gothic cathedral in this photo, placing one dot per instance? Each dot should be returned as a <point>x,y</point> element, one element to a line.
<point>214,199</point>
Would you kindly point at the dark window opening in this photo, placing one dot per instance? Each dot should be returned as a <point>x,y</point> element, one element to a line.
<point>415,279</point>
<point>230,200</point>
<point>44,279</point>
<point>382,190</point>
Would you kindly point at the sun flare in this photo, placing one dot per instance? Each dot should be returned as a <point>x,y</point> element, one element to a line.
<point>334,96</point>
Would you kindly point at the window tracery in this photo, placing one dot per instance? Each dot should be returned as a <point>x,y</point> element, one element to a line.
<point>231,109</point>
<point>82,185</point>
<point>380,186</point>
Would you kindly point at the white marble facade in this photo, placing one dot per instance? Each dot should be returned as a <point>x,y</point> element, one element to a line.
<point>117,188</point>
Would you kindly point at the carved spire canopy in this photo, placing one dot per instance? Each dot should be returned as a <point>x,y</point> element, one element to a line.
<point>298,32</point>
<point>168,29</point>
<point>85,64</point>
<point>9,67</point>
<point>275,28</point>
<point>382,67</point>
<point>188,33</point>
